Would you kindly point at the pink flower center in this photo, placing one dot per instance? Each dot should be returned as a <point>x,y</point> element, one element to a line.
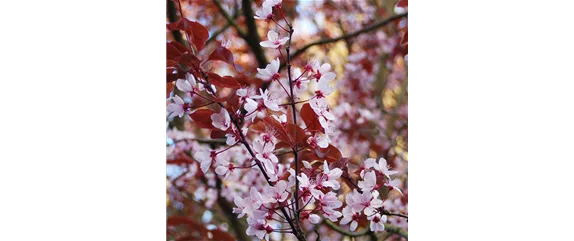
<point>276,76</point>
<point>318,75</point>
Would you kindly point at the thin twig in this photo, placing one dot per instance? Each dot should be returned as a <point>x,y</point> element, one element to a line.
<point>349,35</point>
<point>230,20</point>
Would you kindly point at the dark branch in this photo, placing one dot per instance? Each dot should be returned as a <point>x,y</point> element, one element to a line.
<point>252,37</point>
<point>349,35</point>
<point>230,20</point>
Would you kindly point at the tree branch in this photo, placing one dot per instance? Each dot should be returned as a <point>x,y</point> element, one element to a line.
<point>252,37</point>
<point>230,20</point>
<point>349,35</point>
<point>389,228</point>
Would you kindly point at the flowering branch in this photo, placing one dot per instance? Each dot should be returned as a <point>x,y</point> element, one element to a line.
<point>389,228</point>
<point>230,20</point>
<point>350,35</point>
<point>243,140</point>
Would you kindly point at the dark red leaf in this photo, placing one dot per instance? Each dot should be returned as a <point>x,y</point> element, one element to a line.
<point>202,118</point>
<point>221,235</point>
<point>192,226</point>
<point>275,126</point>
<point>175,50</point>
<point>403,3</point>
<point>225,81</point>
<point>169,88</point>
<point>173,71</point>
<point>217,133</point>
<point>223,54</point>
<point>197,32</point>
<point>296,133</point>
<point>310,118</point>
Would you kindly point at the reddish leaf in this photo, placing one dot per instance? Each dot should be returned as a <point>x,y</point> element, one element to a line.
<point>223,54</point>
<point>169,88</point>
<point>202,118</point>
<point>331,153</point>
<point>341,163</point>
<point>275,126</point>
<point>310,118</point>
<point>290,115</point>
<point>192,225</point>
<point>217,133</point>
<point>197,32</point>
<point>282,144</point>
<point>296,133</point>
<point>405,37</point>
<point>225,81</point>
<point>175,50</point>
<point>180,159</point>
<point>173,71</point>
<point>190,60</point>
<point>403,3</point>
<point>221,235</point>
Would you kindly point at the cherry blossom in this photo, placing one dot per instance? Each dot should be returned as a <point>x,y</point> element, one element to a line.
<point>188,84</point>
<point>306,186</point>
<point>394,185</point>
<point>282,118</point>
<point>224,168</point>
<point>268,100</point>
<point>247,93</point>
<point>324,89</point>
<point>381,166</point>
<point>350,216</point>
<point>176,108</point>
<point>274,3</point>
<point>320,107</point>
<point>300,83</point>
<point>277,193</point>
<point>265,12</point>
<point>318,140</point>
<point>273,40</point>
<point>264,152</point>
<point>377,222</point>
<point>222,120</point>
<point>369,182</point>
<point>327,203</point>
<point>205,158</point>
<point>271,71</point>
<point>234,136</point>
<point>329,177</point>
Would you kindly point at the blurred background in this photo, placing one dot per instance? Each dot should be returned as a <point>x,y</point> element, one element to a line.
<point>365,42</point>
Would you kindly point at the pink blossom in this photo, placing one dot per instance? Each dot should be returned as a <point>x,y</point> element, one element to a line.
<point>327,203</point>
<point>264,152</point>
<point>350,216</point>
<point>176,108</point>
<point>271,71</point>
<point>277,193</point>
<point>318,140</point>
<point>205,158</point>
<point>320,107</point>
<point>394,185</point>
<point>273,40</point>
<point>265,12</point>
<point>377,222</point>
<point>369,182</point>
<point>268,100</point>
<point>381,166</point>
<point>222,120</point>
